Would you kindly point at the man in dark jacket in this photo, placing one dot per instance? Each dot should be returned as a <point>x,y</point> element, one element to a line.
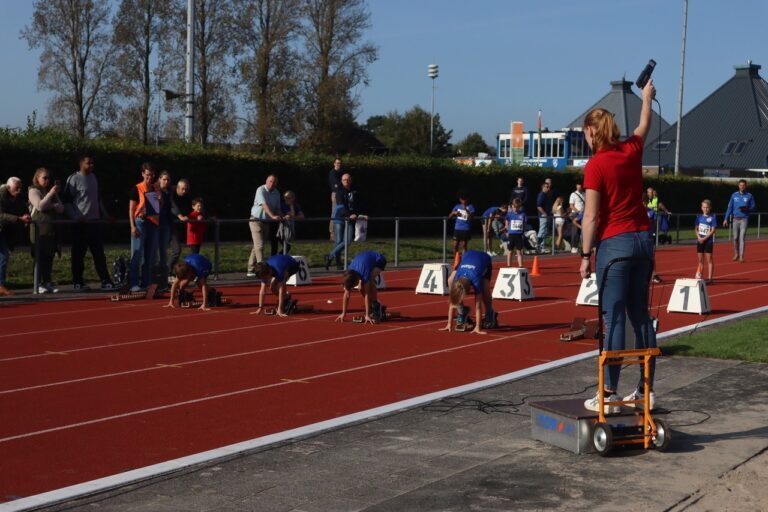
<point>181,205</point>
<point>13,213</point>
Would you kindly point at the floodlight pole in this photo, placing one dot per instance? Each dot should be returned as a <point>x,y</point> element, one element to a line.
<point>432,73</point>
<point>680,96</point>
<point>190,78</point>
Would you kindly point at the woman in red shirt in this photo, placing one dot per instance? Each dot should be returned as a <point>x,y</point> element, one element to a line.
<point>617,222</point>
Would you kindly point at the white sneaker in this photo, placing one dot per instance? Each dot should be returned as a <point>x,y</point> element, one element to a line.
<point>250,274</point>
<point>698,275</point>
<point>42,289</point>
<point>51,288</point>
<point>593,404</point>
<point>637,395</point>
<point>135,289</point>
<point>574,250</point>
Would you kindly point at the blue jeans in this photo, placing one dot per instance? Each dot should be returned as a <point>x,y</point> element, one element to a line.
<point>5,255</point>
<point>143,252</point>
<point>338,233</point>
<point>626,295</point>
<point>544,223</point>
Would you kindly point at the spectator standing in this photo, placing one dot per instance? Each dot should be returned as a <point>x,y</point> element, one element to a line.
<point>464,212</point>
<point>144,217</point>
<point>166,219</point>
<point>576,200</point>
<point>739,208</point>
<point>334,183</point>
<point>558,211</point>
<point>13,212</point>
<point>82,202</point>
<point>196,227</point>
<point>181,206</point>
<point>46,208</point>
<point>264,212</point>
<point>544,207</point>
<point>347,207</point>
<point>291,211</point>
<point>654,202</point>
<point>519,192</point>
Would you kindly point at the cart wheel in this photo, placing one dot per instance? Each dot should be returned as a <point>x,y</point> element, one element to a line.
<point>663,436</point>
<point>602,439</point>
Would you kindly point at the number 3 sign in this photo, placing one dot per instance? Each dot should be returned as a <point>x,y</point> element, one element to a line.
<point>513,283</point>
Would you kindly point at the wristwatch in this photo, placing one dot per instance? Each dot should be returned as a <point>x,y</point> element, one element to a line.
<point>585,255</point>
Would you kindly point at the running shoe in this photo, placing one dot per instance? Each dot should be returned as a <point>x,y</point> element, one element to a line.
<point>638,395</point>
<point>593,404</point>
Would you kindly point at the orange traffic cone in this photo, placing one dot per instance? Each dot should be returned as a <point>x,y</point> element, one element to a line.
<point>456,260</point>
<point>535,269</point>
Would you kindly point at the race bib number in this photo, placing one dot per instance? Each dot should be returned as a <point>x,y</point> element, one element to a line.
<point>704,229</point>
<point>463,214</point>
<point>516,225</point>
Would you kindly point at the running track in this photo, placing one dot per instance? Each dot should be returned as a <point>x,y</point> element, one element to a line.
<point>90,388</point>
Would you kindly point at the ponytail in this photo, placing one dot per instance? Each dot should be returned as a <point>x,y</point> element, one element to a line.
<point>605,132</point>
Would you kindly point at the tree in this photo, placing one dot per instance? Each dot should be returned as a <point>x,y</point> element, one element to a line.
<point>76,61</point>
<point>472,144</point>
<point>409,133</point>
<point>139,27</point>
<point>335,61</point>
<point>214,91</point>
<point>267,66</point>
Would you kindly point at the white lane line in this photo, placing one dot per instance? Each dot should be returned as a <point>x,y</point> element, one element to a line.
<point>121,479</point>
<point>242,354</point>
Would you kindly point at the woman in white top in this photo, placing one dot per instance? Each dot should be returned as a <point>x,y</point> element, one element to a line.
<point>559,213</point>
<point>46,207</point>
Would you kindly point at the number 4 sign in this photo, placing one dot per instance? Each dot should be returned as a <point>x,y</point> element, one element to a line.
<point>302,277</point>
<point>689,296</point>
<point>513,283</point>
<point>433,279</point>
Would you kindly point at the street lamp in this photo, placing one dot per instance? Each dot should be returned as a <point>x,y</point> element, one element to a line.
<point>432,73</point>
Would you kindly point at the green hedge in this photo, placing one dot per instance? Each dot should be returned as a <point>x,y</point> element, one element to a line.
<point>227,180</point>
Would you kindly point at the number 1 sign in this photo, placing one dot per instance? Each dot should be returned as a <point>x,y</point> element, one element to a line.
<point>689,296</point>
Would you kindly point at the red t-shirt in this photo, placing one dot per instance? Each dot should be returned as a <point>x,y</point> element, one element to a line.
<point>617,173</point>
<point>195,230</point>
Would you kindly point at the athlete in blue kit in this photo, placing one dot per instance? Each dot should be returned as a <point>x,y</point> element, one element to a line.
<point>275,272</point>
<point>193,266</point>
<point>493,226</point>
<point>515,223</point>
<point>364,269</point>
<point>464,212</point>
<point>705,227</point>
<point>473,273</point>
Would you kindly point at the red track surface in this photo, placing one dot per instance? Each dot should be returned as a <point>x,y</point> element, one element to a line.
<point>90,388</point>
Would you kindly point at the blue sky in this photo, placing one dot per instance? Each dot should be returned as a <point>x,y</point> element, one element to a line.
<point>501,60</point>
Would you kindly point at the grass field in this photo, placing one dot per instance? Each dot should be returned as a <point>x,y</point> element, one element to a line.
<point>745,340</point>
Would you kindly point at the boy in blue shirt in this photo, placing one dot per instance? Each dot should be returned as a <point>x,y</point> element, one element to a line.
<point>193,266</point>
<point>515,225</point>
<point>740,205</point>
<point>464,212</point>
<point>472,274</point>
<point>705,227</point>
<point>275,272</point>
<point>364,269</point>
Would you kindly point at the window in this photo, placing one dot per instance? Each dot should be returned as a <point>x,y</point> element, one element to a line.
<point>728,149</point>
<point>561,148</point>
<point>740,147</point>
<point>661,145</point>
<point>526,148</point>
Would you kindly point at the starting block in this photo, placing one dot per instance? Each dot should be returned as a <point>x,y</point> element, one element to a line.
<point>359,319</point>
<point>689,296</point>
<point>469,325</point>
<point>215,299</point>
<point>513,283</point>
<point>433,279</point>
<point>580,329</point>
<point>302,276</point>
<point>588,291</point>
<point>307,308</point>
<point>150,293</point>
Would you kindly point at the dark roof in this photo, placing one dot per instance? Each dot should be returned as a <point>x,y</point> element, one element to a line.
<point>736,111</point>
<point>625,106</point>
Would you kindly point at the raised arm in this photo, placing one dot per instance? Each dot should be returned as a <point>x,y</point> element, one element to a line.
<point>649,92</point>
